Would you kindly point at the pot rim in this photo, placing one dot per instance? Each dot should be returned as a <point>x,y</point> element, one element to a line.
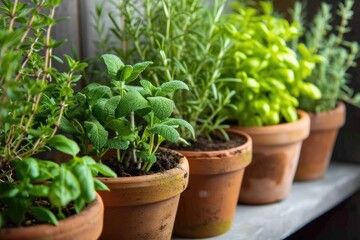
<point>319,121</point>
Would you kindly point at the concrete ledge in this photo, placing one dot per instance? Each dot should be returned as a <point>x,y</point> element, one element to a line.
<point>307,201</point>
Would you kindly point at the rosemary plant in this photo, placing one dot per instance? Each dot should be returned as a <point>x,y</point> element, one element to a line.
<point>33,94</point>
<point>327,39</point>
<point>183,41</point>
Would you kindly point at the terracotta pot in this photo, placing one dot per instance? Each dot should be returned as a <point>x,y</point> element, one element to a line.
<point>275,157</point>
<point>87,224</point>
<point>208,205</point>
<point>317,148</point>
<point>143,207</point>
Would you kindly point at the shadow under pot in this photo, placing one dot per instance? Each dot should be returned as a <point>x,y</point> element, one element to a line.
<point>276,151</point>
<point>143,207</point>
<point>207,207</point>
<point>318,147</point>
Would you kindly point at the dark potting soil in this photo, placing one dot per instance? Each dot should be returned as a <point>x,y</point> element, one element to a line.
<point>41,202</point>
<point>217,142</point>
<point>165,160</point>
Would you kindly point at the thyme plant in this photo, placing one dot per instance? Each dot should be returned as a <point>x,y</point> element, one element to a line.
<point>33,94</point>
<point>326,38</point>
<point>182,38</point>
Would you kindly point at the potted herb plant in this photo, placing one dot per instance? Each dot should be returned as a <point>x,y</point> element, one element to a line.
<point>182,38</point>
<point>124,126</point>
<point>268,77</point>
<point>327,114</point>
<point>33,97</point>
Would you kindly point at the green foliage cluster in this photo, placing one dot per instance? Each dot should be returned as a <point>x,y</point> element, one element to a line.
<point>132,119</point>
<point>33,98</point>
<point>325,37</point>
<point>266,74</point>
<point>183,40</point>
<point>72,181</point>
<point>33,94</point>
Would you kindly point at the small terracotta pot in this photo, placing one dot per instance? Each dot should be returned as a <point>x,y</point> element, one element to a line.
<point>87,224</point>
<point>208,205</point>
<point>275,157</point>
<point>143,207</point>
<point>317,148</point>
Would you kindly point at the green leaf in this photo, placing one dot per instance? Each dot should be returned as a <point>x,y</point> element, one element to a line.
<point>161,106</point>
<point>96,133</point>
<point>39,191</point>
<point>121,126</point>
<point>105,170</point>
<point>44,215</point>
<point>64,188</point>
<point>85,178</point>
<point>138,68</point>
<point>181,122</point>
<point>131,102</point>
<point>8,190</point>
<point>111,105</point>
<point>167,132</point>
<point>117,143</point>
<point>67,127</point>
<point>100,186</point>
<point>98,92</point>
<point>113,64</point>
<point>170,87</point>
<point>28,168</point>
<point>79,204</point>
<point>65,145</point>
<point>125,72</point>
<point>17,209</point>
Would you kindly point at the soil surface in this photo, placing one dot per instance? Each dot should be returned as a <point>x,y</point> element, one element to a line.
<point>30,219</point>
<point>165,160</point>
<point>217,142</point>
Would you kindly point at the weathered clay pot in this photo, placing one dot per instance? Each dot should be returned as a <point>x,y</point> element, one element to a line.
<point>143,207</point>
<point>317,148</point>
<point>207,206</point>
<point>276,151</point>
<point>87,224</point>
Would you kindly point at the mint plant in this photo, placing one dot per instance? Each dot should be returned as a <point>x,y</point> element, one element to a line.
<point>73,181</point>
<point>133,120</point>
<point>267,75</point>
<point>326,38</point>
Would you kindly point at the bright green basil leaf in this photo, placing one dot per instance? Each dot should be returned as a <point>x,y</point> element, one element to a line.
<point>65,145</point>
<point>64,188</point>
<point>79,204</point>
<point>44,215</point>
<point>85,179</point>
<point>100,186</point>
<point>27,168</point>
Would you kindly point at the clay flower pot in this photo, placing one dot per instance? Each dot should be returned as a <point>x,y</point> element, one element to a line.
<point>208,205</point>
<point>143,207</point>
<point>276,151</point>
<point>87,224</point>
<point>318,147</point>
